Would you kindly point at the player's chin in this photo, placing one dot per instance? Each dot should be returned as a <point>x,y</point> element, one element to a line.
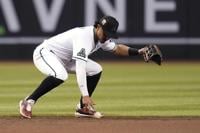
<point>103,40</point>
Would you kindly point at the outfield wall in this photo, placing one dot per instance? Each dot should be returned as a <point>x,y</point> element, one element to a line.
<point>172,24</point>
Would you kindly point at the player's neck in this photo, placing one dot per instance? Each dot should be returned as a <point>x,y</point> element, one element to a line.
<point>95,36</point>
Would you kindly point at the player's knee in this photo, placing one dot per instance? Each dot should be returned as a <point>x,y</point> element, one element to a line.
<point>95,70</point>
<point>99,69</point>
<point>61,75</point>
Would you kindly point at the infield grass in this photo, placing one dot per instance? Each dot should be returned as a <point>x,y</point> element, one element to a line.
<point>125,89</point>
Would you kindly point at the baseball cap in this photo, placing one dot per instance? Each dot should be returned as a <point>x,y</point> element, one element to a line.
<point>110,26</point>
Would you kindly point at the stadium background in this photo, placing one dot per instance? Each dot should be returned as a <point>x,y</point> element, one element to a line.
<point>134,96</point>
<point>172,24</point>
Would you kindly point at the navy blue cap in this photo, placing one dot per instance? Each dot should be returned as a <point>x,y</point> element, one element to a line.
<point>110,26</point>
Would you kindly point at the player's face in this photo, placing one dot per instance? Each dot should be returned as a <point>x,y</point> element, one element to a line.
<point>101,35</point>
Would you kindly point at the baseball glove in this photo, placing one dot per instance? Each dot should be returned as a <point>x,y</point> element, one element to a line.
<point>153,53</point>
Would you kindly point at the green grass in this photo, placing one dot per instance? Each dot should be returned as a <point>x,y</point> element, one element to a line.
<point>125,89</point>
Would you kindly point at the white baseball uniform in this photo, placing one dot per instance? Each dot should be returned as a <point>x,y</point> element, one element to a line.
<point>68,53</point>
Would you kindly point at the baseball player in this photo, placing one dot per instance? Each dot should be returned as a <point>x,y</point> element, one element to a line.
<point>68,53</point>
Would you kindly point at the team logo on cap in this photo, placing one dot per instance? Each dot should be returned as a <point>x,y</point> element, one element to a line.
<point>103,22</point>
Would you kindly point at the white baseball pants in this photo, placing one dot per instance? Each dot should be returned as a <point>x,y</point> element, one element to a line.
<point>49,64</point>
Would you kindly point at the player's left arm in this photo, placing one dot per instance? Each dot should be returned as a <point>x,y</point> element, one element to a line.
<point>123,50</point>
<point>150,52</point>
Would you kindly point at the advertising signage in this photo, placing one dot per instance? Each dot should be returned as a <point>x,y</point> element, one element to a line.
<point>167,22</point>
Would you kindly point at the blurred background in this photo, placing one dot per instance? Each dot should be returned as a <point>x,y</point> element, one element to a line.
<point>146,90</point>
<point>171,24</point>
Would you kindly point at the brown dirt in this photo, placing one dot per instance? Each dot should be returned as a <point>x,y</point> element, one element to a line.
<point>105,125</point>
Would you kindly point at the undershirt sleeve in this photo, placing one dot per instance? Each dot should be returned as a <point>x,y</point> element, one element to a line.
<point>81,76</point>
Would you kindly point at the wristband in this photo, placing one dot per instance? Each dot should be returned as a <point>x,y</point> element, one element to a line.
<point>133,52</point>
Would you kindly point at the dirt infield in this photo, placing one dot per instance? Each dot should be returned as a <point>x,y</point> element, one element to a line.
<point>105,125</point>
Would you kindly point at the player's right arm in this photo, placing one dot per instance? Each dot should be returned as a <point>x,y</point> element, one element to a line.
<point>80,55</point>
<point>82,81</point>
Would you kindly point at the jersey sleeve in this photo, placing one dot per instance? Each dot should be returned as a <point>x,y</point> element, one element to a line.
<point>109,45</point>
<point>80,49</point>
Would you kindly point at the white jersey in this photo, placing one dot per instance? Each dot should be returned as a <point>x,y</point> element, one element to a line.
<point>77,43</point>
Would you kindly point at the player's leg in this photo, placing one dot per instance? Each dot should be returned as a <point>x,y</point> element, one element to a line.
<point>48,64</point>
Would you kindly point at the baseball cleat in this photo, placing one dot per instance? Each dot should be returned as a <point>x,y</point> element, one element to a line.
<point>25,108</point>
<point>82,115</point>
<point>87,112</point>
